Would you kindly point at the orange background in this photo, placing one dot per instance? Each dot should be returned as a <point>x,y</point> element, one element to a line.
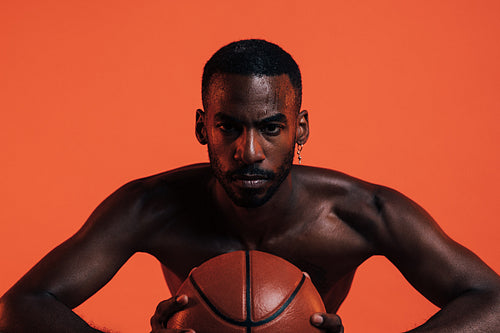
<point>96,93</point>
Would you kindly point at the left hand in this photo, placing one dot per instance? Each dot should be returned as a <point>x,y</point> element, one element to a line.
<point>164,311</point>
<point>328,322</point>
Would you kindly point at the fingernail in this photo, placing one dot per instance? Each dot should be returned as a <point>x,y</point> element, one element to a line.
<point>181,299</point>
<point>316,319</point>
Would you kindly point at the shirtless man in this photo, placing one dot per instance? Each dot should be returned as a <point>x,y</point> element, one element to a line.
<point>250,196</point>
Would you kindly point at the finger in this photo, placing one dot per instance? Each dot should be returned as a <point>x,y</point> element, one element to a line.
<point>166,309</point>
<point>329,322</point>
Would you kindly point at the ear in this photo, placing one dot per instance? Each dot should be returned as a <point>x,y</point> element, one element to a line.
<point>302,133</point>
<point>200,129</point>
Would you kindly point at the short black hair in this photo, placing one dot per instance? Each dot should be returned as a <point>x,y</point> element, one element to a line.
<point>252,57</point>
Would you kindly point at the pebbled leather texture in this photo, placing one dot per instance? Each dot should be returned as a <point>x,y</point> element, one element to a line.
<point>248,291</point>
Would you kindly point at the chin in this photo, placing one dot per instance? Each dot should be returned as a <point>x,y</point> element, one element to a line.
<point>249,202</point>
<point>251,198</point>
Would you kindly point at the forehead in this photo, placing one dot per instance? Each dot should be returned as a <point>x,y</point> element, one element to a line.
<point>258,93</point>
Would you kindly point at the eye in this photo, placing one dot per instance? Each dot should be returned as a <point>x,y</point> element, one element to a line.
<point>272,129</point>
<point>226,127</point>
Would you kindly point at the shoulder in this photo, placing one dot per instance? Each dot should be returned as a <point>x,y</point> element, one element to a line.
<point>341,184</point>
<point>163,193</point>
<point>146,203</point>
<point>375,211</point>
<point>186,178</point>
<point>332,182</point>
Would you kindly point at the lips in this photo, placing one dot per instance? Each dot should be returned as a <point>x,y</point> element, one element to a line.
<point>250,181</point>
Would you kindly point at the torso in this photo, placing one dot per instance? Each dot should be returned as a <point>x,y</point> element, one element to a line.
<point>192,230</point>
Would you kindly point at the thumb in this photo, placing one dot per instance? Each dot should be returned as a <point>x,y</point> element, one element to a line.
<point>329,322</point>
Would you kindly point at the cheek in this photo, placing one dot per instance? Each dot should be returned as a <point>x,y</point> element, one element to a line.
<point>220,149</point>
<point>281,148</point>
<point>216,140</point>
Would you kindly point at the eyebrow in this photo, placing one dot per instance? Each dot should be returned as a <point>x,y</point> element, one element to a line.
<point>279,117</point>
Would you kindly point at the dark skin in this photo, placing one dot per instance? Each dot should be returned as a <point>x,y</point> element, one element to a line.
<point>325,222</point>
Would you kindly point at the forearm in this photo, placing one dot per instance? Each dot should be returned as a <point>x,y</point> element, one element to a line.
<point>474,311</point>
<point>39,313</point>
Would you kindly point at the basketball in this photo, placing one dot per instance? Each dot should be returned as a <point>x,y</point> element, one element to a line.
<point>248,292</point>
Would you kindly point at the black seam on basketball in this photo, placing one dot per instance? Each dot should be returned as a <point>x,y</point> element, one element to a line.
<point>214,308</point>
<point>284,306</point>
<point>248,294</point>
<point>248,323</point>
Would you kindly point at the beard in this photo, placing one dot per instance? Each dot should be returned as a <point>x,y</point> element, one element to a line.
<point>250,197</point>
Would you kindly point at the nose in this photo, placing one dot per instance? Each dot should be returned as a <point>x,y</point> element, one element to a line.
<point>248,148</point>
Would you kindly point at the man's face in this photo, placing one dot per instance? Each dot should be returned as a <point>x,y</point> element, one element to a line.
<point>250,124</point>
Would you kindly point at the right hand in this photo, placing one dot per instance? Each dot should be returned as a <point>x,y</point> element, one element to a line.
<point>327,322</point>
<point>164,311</point>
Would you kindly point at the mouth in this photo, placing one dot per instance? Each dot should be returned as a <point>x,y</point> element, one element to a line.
<point>250,181</point>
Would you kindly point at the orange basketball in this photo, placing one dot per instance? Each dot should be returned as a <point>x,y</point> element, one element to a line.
<point>248,291</point>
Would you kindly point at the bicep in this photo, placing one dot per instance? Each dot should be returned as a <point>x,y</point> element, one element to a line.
<point>433,263</point>
<point>76,269</point>
<point>73,271</point>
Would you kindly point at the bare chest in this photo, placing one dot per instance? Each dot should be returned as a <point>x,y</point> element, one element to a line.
<point>324,247</point>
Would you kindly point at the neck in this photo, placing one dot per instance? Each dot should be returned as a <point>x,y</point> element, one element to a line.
<point>255,225</point>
